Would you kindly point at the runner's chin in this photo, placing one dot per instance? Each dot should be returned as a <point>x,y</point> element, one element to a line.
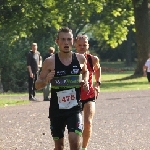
<point>82,51</point>
<point>66,51</point>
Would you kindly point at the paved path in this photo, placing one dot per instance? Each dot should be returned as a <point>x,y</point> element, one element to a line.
<point>122,122</point>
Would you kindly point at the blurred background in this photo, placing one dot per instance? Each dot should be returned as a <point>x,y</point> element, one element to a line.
<point>118,32</point>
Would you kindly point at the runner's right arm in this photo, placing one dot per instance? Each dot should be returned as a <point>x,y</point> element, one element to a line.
<point>46,74</point>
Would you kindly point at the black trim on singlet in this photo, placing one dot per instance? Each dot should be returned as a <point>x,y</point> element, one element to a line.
<point>67,68</point>
<point>60,72</point>
<point>89,58</point>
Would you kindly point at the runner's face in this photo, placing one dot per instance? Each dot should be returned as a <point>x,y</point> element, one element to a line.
<point>65,42</point>
<point>82,45</point>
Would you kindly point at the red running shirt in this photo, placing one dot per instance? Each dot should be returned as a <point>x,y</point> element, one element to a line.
<point>91,93</point>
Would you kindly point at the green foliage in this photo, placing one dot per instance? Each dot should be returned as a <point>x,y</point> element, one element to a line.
<point>18,19</point>
<point>111,17</point>
<point>13,63</point>
<point>13,67</point>
<point>112,27</point>
<point>27,21</point>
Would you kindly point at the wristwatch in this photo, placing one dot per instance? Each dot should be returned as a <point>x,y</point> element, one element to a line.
<point>98,82</point>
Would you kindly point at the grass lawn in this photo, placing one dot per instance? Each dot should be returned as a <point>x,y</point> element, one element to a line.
<point>12,102</point>
<point>18,94</point>
<point>14,98</point>
<point>123,82</point>
<point>117,65</point>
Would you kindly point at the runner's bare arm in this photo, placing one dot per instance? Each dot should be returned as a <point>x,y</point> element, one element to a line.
<point>83,64</point>
<point>46,74</point>
<point>97,68</point>
<point>97,73</point>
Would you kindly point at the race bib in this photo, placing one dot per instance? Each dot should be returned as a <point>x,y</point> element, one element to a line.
<point>67,99</point>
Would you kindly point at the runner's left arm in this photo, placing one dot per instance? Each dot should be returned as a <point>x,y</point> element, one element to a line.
<point>97,70</point>
<point>85,72</point>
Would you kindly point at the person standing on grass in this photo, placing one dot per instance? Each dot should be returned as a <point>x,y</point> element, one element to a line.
<point>46,89</point>
<point>34,63</point>
<point>146,68</point>
<point>88,98</point>
<point>63,71</point>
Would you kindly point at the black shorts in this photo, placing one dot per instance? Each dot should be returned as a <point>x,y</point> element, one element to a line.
<point>87,100</point>
<point>73,121</point>
<point>148,76</point>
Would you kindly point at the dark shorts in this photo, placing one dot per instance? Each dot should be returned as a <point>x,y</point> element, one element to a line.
<point>87,100</point>
<point>73,122</point>
<point>148,76</point>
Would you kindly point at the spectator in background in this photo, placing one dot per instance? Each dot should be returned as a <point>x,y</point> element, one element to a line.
<point>34,63</point>
<point>146,69</point>
<point>47,88</point>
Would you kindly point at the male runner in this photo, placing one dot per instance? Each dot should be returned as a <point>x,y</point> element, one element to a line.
<point>63,71</point>
<point>88,98</point>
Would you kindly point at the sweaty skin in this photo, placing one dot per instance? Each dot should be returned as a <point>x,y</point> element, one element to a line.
<point>65,42</point>
<point>82,46</point>
<point>48,71</point>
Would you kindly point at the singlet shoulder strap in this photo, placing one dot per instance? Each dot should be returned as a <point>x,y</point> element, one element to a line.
<point>74,57</point>
<point>56,59</point>
<point>56,56</point>
<point>89,59</point>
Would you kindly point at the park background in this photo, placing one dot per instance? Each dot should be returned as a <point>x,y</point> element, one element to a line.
<point>118,33</point>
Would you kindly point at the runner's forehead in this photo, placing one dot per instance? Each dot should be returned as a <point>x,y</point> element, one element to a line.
<point>65,35</point>
<point>82,41</point>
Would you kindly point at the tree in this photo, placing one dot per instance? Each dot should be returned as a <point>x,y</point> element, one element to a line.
<point>142,32</point>
<point>109,21</point>
<point>118,15</point>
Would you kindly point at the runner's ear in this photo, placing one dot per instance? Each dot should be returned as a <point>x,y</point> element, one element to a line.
<point>56,41</point>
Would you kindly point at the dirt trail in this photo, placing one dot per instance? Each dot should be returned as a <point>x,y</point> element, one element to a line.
<point>121,122</point>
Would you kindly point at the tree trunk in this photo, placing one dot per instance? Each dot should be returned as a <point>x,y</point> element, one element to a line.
<point>128,52</point>
<point>149,28</point>
<point>141,26</point>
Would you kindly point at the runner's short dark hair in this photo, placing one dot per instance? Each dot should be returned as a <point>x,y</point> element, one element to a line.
<point>63,29</point>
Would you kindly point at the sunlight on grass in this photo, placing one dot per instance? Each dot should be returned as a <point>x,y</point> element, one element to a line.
<point>6,102</point>
<point>123,82</point>
<point>18,94</point>
<point>117,65</point>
